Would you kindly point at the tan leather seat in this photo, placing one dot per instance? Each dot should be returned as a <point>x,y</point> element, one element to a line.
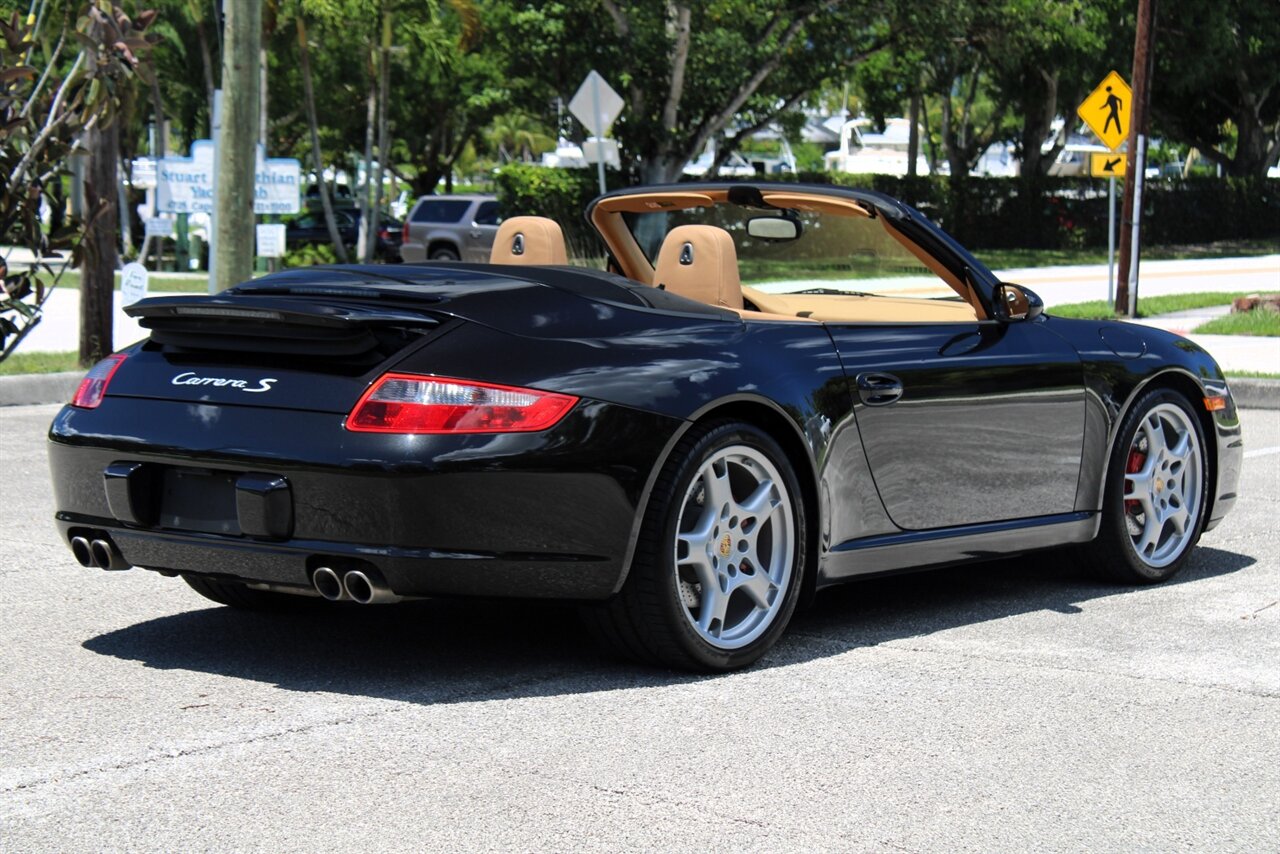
<point>529,240</point>
<point>698,262</point>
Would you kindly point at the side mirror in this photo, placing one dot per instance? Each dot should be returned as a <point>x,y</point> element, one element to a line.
<point>773,228</point>
<point>1015,303</point>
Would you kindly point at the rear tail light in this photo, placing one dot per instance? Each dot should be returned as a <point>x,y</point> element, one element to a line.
<point>410,403</point>
<point>404,232</point>
<point>94,385</point>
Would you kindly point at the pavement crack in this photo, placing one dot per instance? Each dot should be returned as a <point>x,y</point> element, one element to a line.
<point>1037,665</point>
<point>474,694</point>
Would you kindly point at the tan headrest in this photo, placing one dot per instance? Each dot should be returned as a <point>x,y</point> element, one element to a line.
<point>529,240</point>
<point>698,262</point>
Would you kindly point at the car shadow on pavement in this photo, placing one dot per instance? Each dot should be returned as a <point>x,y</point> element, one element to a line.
<point>462,650</point>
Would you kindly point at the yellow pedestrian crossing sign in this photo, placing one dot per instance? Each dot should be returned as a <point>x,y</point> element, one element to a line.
<point>1107,110</point>
<point>1110,165</point>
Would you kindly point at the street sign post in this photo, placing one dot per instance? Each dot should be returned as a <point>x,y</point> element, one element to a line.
<point>596,105</point>
<point>1106,111</point>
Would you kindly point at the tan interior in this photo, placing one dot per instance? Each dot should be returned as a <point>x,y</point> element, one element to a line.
<point>859,309</point>
<point>699,262</point>
<point>648,202</point>
<point>529,240</point>
<point>818,204</point>
<point>607,218</point>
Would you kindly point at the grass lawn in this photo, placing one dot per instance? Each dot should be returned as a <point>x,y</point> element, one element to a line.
<point>1147,306</point>
<point>1004,259</point>
<point>40,363</point>
<point>1256,322</point>
<point>1253,375</point>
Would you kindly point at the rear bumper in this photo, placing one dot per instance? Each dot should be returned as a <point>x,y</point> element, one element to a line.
<point>549,514</point>
<point>407,571</point>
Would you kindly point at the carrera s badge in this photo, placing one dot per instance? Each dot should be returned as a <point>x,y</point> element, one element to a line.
<point>190,378</point>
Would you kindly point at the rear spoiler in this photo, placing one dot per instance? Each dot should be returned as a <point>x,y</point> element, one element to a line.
<point>267,324</point>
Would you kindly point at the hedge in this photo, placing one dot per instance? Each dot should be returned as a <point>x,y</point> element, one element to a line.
<point>982,213</point>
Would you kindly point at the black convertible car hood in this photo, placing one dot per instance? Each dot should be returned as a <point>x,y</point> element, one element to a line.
<point>536,301</point>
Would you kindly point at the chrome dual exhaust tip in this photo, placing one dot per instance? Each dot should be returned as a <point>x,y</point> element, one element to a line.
<point>367,589</point>
<point>80,549</point>
<point>99,552</point>
<point>328,584</point>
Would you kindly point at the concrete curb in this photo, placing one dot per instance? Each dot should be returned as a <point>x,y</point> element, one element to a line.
<point>1255,393</point>
<point>27,389</point>
<point>30,389</point>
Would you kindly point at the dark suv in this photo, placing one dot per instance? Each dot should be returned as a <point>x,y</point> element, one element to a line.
<point>451,228</point>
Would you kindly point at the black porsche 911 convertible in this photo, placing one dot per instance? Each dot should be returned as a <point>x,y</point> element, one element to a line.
<point>773,388</point>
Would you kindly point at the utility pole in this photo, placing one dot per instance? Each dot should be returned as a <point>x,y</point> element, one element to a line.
<point>1131,213</point>
<point>237,146</point>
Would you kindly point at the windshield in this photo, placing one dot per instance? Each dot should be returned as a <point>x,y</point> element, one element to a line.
<point>846,254</point>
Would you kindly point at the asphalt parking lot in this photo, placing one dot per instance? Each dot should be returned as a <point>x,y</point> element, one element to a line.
<point>1012,705</point>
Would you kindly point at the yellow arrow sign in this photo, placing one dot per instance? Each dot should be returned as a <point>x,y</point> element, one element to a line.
<point>1106,165</point>
<point>1107,110</point>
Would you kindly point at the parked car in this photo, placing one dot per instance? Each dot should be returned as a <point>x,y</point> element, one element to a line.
<point>310,228</point>
<point>687,456</point>
<point>451,228</point>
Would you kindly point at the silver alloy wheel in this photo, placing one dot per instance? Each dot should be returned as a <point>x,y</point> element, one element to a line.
<point>1163,483</point>
<point>735,547</point>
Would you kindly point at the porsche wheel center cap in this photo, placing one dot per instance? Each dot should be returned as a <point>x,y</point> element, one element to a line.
<point>726,544</point>
<point>1159,485</point>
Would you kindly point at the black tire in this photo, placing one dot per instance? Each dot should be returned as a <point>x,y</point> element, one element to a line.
<point>444,253</point>
<point>648,620</point>
<point>237,595</point>
<point>1113,555</point>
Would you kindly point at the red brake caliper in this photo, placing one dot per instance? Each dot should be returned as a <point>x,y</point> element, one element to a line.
<point>1136,459</point>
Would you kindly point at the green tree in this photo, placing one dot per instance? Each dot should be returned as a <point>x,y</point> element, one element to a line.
<point>1217,81</point>
<point>47,111</point>
<point>690,73</point>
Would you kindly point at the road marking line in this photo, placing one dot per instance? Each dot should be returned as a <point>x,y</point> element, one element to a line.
<point>1262,452</point>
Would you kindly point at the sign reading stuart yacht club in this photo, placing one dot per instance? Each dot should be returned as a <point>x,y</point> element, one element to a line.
<point>185,184</point>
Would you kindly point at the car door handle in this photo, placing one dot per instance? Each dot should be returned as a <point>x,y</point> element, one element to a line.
<point>476,233</point>
<point>879,389</point>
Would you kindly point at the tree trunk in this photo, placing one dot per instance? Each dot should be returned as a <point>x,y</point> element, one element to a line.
<point>237,147</point>
<point>913,135</point>
<point>97,275</point>
<point>662,169</point>
<point>157,108</point>
<point>206,62</point>
<point>1041,88</point>
<point>317,156</point>
<point>122,206</point>
<point>1253,154</point>
<point>364,243</point>
<point>384,129</point>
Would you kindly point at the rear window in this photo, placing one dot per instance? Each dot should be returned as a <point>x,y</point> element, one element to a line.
<point>440,210</point>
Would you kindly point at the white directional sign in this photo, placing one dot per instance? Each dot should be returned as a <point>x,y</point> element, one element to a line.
<point>133,283</point>
<point>271,239</point>
<point>158,226</point>
<point>596,104</point>
<point>185,184</point>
